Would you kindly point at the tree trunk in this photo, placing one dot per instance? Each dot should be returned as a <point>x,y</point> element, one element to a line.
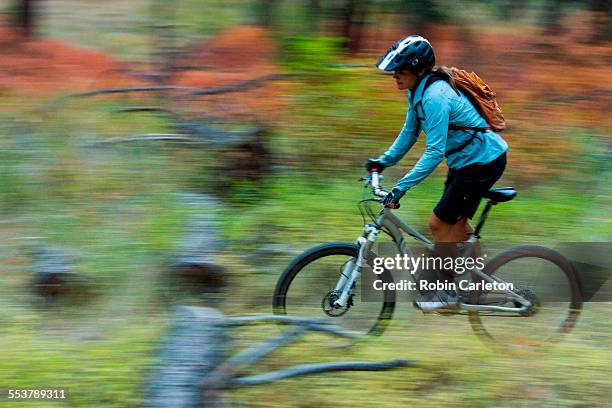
<point>264,9</point>
<point>601,11</point>
<point>195,267</point>
<point>512,9</point>
<point>25,16</point>
<point>195,346</point>
<point>552,18</point>
<point>313,15</point>
<point>353,21</point>
<point>54,277</point>
<point>421,15</point>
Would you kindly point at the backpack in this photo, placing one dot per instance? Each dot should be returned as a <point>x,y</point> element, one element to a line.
<point>480,95</point>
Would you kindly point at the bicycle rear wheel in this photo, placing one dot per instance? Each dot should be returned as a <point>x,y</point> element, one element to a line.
<point>306,288</point>
<point>544,277</point>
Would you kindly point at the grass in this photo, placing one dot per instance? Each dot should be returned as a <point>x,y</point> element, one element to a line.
<point>462,372</point>
<point>119,209</point>
<point>103,350</point>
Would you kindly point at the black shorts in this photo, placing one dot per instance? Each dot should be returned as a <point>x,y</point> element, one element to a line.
<point>464,188</point>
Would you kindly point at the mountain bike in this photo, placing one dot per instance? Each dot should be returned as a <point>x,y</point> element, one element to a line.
<point>536,293</point>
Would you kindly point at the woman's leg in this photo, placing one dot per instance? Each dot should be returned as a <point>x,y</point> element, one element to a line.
<point>444,232</point>
<point>462,195</point>
<point>445,237</point>
<point>457,233</point>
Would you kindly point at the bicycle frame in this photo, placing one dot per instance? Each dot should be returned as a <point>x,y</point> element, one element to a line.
<point>395,226</point>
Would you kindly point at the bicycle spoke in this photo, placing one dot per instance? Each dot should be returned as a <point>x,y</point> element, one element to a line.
<point>309,290</point>
<point>547,281</point>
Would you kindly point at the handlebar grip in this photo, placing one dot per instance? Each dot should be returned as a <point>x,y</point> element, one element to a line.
<point>375,178</point>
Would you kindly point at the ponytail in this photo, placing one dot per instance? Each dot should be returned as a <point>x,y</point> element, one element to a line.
<point>446,74</point>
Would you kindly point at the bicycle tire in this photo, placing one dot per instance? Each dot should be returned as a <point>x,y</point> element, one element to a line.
<point>288,276</point>
<point>521,253</point>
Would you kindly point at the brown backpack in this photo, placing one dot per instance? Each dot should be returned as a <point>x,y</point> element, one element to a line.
<point>480,95</point>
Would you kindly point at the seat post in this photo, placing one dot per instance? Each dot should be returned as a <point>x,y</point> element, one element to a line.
<point>483,217</point>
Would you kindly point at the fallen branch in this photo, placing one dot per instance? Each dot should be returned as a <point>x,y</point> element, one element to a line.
<point>222,376</point>
<point>195,345</point>
<point>194,266</point>
<point>311,324</point>
<point>238,87</point>
<point>309,369</point>
<point>145,109</point>
<point>153,137</point>
<point>126,90</point>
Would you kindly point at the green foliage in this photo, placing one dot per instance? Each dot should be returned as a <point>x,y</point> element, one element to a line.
<point>203,18</point>
<point>13,10</point>
<point>312,56</point>
<point>426,11</point>
<point>263,11</point>
<point>15,191</point>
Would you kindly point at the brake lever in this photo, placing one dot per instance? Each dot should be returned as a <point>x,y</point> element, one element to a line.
<point>366,180</point>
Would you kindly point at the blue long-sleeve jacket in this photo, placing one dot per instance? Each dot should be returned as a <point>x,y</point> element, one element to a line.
<point>433,112</point>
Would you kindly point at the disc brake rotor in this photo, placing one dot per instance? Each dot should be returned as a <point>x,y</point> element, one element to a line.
<point>327,304</point>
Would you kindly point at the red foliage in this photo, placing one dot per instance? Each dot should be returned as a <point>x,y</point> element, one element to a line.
<point>43,67</point>
<point>240,54</point>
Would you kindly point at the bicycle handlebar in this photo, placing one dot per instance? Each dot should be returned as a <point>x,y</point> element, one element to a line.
<point>377,190</point>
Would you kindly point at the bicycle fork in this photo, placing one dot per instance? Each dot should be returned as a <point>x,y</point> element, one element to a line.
<point>352,270</point>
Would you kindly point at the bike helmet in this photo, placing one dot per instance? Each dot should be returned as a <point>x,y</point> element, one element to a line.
<point>413,53</point>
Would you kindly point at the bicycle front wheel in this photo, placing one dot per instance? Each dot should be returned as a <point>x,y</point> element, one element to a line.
<point>544,277</point>
<point>306,289</point>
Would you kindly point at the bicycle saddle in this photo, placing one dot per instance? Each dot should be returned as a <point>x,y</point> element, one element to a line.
<point>501,194</point>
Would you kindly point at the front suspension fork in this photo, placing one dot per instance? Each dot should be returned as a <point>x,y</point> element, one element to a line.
<point>352,270</point>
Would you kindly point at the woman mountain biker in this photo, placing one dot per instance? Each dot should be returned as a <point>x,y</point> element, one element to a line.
<point>475,155</point>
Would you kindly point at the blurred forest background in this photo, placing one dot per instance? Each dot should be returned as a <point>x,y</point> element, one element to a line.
<point>272,107</point>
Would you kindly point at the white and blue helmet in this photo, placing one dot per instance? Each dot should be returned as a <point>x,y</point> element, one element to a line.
<point>413,53</point>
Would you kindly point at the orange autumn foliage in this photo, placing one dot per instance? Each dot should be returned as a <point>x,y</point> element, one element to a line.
<point>44,67</point>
